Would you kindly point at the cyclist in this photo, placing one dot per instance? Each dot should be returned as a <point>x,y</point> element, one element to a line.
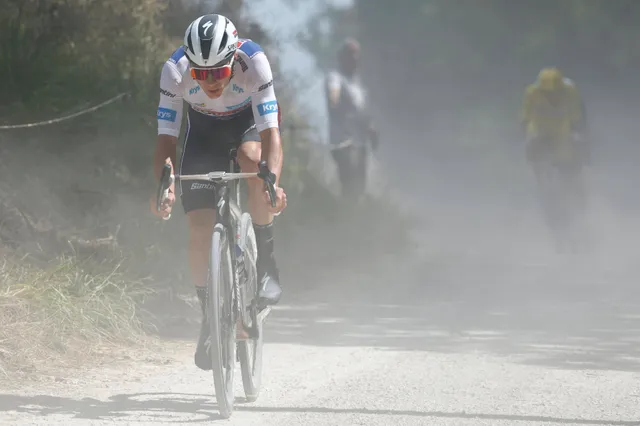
<point>348,120</point>
<point>228,87</point>
<point>554,121</point>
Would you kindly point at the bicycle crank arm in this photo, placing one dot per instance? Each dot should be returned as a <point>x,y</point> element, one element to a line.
<point>262,315</point>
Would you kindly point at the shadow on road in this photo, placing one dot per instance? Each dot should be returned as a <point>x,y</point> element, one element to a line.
<point>555,316</point>
<point>160,407</point>
<point>194,408</point>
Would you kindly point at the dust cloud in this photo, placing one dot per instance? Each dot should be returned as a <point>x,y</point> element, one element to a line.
<point>447,296</point>
<point>483,245</point>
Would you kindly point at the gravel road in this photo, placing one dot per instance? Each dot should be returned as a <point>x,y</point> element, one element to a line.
<point>459,341</point>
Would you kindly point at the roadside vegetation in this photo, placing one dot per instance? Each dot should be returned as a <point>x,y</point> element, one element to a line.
<point>84,264</point>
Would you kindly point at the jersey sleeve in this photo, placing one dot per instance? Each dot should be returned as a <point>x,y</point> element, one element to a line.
<point>171,104</point>
<point>263,96</point>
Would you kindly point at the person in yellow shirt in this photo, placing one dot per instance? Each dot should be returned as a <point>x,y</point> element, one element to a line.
<point>554,120</point>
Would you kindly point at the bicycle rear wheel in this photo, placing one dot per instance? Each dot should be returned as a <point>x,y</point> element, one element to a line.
<point>221,320</point>
<point>250,350</point>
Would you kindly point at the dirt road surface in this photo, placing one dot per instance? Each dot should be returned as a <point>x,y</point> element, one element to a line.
<point>447,336</point>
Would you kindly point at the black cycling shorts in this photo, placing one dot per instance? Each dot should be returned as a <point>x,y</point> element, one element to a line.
<point>206,148</point>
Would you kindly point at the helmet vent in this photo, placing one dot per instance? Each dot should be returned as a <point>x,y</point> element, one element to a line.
<point>205,45</point>
<point>223,43</point>
<point>190,42</point>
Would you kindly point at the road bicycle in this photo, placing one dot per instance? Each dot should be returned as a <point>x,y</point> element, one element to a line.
<point>235,318</point>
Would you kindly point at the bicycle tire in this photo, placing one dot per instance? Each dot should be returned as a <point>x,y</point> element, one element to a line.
<point>250,350</point>
<point>221,320</point>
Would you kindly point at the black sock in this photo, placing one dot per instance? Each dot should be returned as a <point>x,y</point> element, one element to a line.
<point>202,297</point>
<point>264,241</point>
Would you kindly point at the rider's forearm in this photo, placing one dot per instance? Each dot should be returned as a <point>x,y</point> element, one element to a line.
<point>272,150</point>
<point>165,148</point>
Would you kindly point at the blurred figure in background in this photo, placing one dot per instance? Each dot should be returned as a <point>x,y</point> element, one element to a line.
<point>351,131</point>
<point>554,122</point>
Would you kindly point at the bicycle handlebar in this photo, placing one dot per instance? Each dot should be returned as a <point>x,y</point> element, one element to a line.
<point>166,179</point>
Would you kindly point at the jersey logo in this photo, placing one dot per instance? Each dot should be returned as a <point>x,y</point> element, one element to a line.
<point>237,88</point>
<point>243,64</point>
<point>167,114</point>
<point>194,90</point>
<point>222,115</point>
<point>265,86</point>
<point>167,93</point>
<point>270,107</point>
<point>240,105</point>
<point>206,26</point>
<point>200,185</point>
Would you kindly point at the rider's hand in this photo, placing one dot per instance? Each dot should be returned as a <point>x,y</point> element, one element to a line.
<point>281,201</point>
<point>165,207</point>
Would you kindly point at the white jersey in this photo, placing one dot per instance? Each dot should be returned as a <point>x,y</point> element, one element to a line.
<point>347,117</point>
<point>250,87</point>
<point>352,86</point>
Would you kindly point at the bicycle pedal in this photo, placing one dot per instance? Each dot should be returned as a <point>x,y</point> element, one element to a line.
<point>241,331</point>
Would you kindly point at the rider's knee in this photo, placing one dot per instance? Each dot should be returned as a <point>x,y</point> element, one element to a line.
<point>248,156</point>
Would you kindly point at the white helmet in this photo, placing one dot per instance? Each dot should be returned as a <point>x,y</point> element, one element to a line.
<point>210,39</point>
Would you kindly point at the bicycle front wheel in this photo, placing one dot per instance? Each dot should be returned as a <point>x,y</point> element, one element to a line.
<point>221,320</point>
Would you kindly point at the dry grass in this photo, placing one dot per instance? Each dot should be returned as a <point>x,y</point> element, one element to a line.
<point>65,313</point>
<point>71,311</point>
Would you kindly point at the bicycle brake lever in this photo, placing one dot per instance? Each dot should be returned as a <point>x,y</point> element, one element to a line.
<point>163,189</point>
<point>269,179</point>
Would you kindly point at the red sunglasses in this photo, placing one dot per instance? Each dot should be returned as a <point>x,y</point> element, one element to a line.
<point>216,73</point>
